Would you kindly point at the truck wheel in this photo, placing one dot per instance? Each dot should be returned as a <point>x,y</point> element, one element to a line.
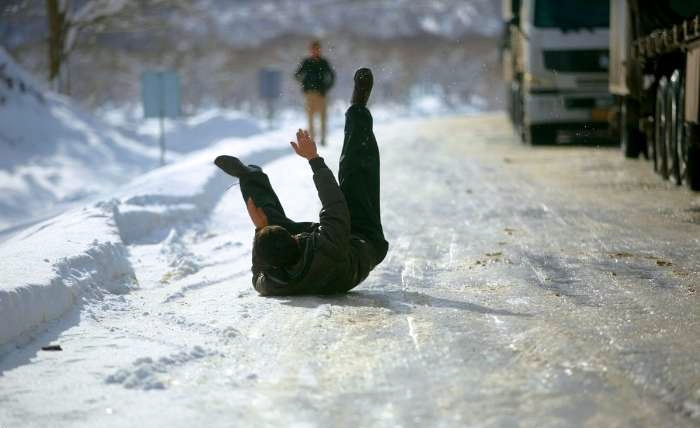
<point>540,135</point>
<point>519,108</point>
<point>630,136</point>
<point>692,175</point>
<point>675,148</point>
<point>508,92</point>
<point>660,133</point>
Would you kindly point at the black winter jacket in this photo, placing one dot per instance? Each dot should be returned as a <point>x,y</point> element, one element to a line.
<point>315,74</point>
<point>333,261</point>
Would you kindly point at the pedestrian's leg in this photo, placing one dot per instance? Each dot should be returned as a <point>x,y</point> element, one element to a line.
<point>257,185</point>
<point>324,116</point>
<point>310,112</point>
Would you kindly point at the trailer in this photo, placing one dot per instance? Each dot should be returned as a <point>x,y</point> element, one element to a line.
<point>655,78</point>
<point>555,65</point>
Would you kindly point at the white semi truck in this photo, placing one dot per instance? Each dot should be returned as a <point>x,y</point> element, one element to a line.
<point>655,77</point>
<point>555,65</point>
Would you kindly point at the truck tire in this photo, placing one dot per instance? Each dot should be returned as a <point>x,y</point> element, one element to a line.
<point>541,135</point>
<point>660,134</point>
<point>508,93</point>
<point>675,149</point>
<point>692,175</point>
<point>519,111</point>
<point>631,139</point>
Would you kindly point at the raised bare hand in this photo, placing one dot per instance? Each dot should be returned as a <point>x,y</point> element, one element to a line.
<point>305,145</point>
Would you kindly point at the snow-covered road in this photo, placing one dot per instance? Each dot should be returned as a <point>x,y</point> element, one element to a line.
<point>524,287</point>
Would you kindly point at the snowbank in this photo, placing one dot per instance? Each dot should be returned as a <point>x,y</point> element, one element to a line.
<point>158,201</point>
<point>52,154</point>
<point>82,254</point>
<point>186,134</point>
<point>57,264</point>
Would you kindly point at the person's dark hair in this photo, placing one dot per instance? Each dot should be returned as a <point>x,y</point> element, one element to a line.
<point>275,246</point>
<point>315,44</point>
<point>363,86</point>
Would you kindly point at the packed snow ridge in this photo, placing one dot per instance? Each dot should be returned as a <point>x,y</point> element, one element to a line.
<point>54,153</point>
<point>82,255</point>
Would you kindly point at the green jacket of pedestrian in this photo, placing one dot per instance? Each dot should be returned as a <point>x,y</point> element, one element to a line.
<point>315,74</point>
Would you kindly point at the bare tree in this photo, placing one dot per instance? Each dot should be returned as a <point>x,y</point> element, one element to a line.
<point>66,22</point>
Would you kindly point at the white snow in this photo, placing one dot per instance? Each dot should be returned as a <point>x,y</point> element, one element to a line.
<point>53,266</point>
<point>80,255</point>
<point>53,157</point>
<point>186,134</point>
<point>52,153</point>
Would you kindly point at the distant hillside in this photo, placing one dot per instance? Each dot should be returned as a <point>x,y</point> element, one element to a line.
<point>447,47</point>
<point>253,22</point>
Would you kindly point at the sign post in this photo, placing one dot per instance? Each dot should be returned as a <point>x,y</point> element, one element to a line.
<point>160,94</point>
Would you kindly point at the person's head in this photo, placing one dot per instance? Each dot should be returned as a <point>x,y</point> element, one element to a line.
<point>275,246</point>
<point>363,86</point>
<point>315,48</point>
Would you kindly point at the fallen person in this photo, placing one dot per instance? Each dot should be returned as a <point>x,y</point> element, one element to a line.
<point>337,253</point>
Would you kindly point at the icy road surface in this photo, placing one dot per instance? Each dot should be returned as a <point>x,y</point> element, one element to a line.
<point>545,287</point>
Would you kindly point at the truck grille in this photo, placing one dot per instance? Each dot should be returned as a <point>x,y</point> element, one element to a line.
<point>575,103</point>
<point>577,61</point>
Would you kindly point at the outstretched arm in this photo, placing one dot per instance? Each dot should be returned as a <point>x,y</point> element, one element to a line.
<point>335,216</point>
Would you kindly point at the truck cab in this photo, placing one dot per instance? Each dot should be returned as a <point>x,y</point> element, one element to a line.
<point>559,54</point>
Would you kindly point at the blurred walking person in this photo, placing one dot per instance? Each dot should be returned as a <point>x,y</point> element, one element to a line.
<point>316,77</point>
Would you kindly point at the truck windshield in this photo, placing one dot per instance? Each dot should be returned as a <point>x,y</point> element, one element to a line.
<point>572,14</point>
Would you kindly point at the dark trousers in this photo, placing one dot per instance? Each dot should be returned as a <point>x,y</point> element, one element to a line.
<point>359,181</point>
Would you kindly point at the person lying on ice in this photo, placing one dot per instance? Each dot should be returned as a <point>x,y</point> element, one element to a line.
<point>337,253</point>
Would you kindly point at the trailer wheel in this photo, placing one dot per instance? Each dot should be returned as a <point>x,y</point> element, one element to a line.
<point>631,139</point>
<point>660,134</point>
<point>519,111</point>
<point>692,176</point>
<point>676,150</point>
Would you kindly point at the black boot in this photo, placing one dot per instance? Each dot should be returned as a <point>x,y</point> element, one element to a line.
<point>232,166</point>
<point>364,80</point>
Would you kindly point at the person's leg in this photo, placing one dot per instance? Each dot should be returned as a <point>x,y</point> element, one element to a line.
<point>257,185</point>
<point>361,190</point>
<point>324,116</point>
<point>359,168</point>
<point>309,105</point>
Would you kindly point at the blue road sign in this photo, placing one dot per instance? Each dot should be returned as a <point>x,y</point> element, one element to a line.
<point>269,81</point>
<point>160,93</point>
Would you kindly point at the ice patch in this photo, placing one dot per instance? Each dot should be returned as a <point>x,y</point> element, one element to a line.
<point>146,373</point>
